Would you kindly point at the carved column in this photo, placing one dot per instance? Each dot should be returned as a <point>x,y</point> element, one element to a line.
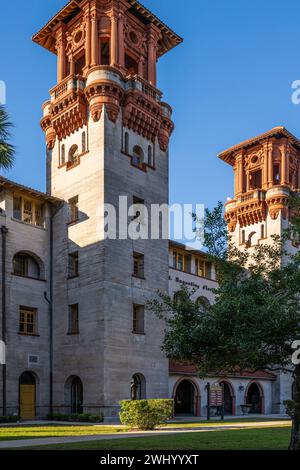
<point>94,37</point>
<point>153,37</point>
<point>61,54</point>
<point>270,164</point>
<point>265,168</point>
<point>141,67</point>
<point>88,41</point>
<point>72,65</point>
<point>284,167</point>
<point>121,40</point>
<point>114,39</point>
<point>239,164</point>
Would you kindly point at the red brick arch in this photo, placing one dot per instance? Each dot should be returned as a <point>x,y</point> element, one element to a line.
<point>261,395</point>
<point>197,396</point>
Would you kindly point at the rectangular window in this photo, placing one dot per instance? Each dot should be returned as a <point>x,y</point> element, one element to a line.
<point>74,210</point>
<point>138,320</point>
<point>208,273</point>
<point>138,265</point>
<point>105,52</point>
<point>174,259</point>
<point>73,268</point>
<point>17,207</point>
<point>180,261</point>
<point>262,231</point>
<point>203,268</point>
<point>28,321</point>
<point>188,263</point>
<point>29,211</point>
<point>73,328</point>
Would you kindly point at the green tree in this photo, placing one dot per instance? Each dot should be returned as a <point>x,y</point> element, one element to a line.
<point>7,150</point>
<point>255,318</point>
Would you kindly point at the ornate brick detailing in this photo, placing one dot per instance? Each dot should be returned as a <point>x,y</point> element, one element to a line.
<point>276,204</point>
<point>142,115</point>
<point>166,129</point>
<point>252,212</point>
<point>66,112</point>
<point>46,124</point>
<point>231,219</point>
<point>104,92</point>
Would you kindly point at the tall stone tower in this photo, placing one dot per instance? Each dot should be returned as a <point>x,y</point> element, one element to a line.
<point>266,171</point>
<point>107,132</point>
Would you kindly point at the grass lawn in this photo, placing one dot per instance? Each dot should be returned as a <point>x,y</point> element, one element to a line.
<point>227,422</point>
<point>241,439</point>
<point>32,432</point>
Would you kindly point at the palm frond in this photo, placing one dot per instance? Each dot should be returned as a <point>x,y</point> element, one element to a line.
<point>7,150</point>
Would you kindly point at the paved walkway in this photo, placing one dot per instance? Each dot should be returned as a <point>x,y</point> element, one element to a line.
<point>14,444</point>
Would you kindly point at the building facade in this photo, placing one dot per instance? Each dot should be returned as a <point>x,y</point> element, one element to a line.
<point>79,336</point>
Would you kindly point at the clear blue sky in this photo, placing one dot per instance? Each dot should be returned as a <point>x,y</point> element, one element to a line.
<point>230,80</point>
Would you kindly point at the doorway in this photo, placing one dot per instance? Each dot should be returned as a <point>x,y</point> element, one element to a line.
<point>27,394</point>
<point>185,398</point>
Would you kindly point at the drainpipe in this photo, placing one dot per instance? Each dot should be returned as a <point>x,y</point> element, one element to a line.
<point>50,303</point>
<point>4,231</point>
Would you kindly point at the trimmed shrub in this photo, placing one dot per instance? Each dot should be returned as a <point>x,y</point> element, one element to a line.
<point>146,414</point>
<point>9,419</point>
<point>77,418</point>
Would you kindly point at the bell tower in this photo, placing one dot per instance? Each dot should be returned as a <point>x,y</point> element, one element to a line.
<point>266,171</point>
<point>107,132</point>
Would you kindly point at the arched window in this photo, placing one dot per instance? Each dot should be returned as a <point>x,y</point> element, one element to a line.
<point>74,394</point>
<point>73,154</point>
<point>203,304</point>
<point>150,156</point>
<point>138,156</point>
<point>126,146</point>
<point>138,387</point>
<point>83,142</point>
<point>26,265</point>
<point>63,155</point>
<point>180,297</point>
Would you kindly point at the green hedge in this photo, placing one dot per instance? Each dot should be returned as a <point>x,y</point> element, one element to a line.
<point>79,418</point>
<point>9,419</point>
<point>145,414</point>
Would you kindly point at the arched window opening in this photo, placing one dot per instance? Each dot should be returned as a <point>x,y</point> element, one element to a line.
<point>83,142</point>
<point>150,156</point>
<point>243,236</point>
<point>25,265</point>
<point>185,398</point>
<point>254,398</point>
<point>76,395</point>
<point>203,305</point>
<point>138,156</point>
<point>73,154</point>
<point>229,399</point>
<point>180,297</point>
<point>138,387</point>
<point>276,173</point>
<point>126,146</point>
<point>250,241</point>
<point>63,155</point>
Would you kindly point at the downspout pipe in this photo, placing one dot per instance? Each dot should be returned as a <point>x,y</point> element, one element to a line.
<point>49,300</point>
<point>4,232</point>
